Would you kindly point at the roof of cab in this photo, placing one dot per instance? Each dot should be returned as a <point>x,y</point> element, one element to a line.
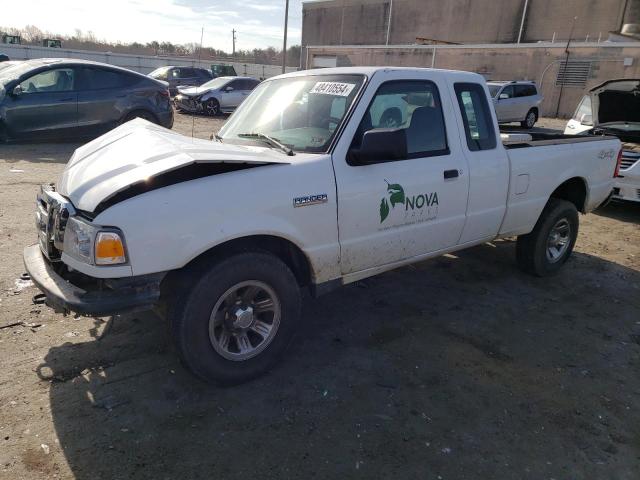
<point>370,71</point>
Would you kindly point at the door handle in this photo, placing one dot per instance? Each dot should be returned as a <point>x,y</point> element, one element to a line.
<point>70,99</point>
<point>450,174</point>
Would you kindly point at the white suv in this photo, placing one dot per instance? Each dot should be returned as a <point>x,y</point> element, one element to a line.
<point>516,102</point>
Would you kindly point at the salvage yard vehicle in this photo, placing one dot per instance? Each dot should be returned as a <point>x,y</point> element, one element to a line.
<point>220,95</point>
<point>181,77</point>
<point>516,101</point>
<point>302,189</point>
<point>47,99</point>
<point>613,108</point>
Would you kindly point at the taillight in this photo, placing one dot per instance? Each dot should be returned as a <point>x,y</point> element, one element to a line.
<point>616,172</point>
<point>165,93</point>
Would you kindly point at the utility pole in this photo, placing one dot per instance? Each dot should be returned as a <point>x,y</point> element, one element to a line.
<point>233,33</point>
<point>389,21</point>
<point>566,65</point>
<point>284,45</point>
<point>524,15</point>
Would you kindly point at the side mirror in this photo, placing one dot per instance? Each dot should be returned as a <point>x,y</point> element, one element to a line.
<point>380,145</point>
<point>503,96</point>
<point>228,89</point>
<point>17,91</point>
<point>586,120</point>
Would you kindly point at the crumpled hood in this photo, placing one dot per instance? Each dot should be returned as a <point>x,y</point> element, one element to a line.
<point>192,91</point>
<point>137,152</point>
<point>616,101</point>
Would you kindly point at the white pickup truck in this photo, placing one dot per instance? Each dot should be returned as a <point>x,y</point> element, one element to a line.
<point>313,183</point>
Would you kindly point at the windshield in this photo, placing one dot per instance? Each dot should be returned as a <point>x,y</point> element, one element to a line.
<point>302,113</point>
<point>216,83</point>
<point>159,71</point>
<point>494,89</point>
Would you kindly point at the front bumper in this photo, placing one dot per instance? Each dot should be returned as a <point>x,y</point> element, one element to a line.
<point>187,103</point>
<point>102,299</point>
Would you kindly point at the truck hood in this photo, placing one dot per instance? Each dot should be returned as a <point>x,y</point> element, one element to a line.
<point>140,156</point>
<point>616,101</point>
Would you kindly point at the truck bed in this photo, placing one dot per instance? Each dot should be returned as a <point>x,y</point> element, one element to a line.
<point>546,139</point>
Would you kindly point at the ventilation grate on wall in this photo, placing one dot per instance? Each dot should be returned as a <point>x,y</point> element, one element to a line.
<point>573,73</point>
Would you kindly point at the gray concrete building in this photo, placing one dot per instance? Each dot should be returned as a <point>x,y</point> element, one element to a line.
<point>394,22</point>
<point>482,36</point>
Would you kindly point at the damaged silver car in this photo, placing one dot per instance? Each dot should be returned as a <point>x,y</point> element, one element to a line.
<point>220,95</point>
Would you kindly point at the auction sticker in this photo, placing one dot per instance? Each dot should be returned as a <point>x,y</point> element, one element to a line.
<point>333,88</point>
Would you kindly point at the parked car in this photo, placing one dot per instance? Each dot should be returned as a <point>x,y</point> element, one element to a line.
<point>613,108</point>
<point>181,76</point>
<point>220,95</point>
<point>302,189</point>
<point>517,101</point>
<point>222,70</point>
<point>55,98</point>
<point>4,58</point>
<point>52,42</point>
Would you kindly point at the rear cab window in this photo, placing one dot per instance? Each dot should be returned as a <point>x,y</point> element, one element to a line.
<point>476,116</point>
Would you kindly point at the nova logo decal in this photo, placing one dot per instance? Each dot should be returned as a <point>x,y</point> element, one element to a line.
<point>396,196</point>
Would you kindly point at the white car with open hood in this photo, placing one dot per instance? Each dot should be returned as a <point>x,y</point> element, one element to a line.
<point>613,108</point>
<point>319,179</point>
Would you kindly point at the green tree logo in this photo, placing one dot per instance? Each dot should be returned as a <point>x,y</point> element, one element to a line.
<point>395,192</point>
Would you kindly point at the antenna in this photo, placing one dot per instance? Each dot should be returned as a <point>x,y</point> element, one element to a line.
<point>193,117</point>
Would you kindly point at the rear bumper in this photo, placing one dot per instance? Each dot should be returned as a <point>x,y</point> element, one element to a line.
<point>125,295</point>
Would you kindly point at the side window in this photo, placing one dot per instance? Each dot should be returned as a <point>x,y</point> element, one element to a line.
<point>583,109</point>
<point>99,79</point>
<point>187,72</point>
<point>525,90</point>
<point>58,80</point>
<point>476,116</point>
<point>235,84</point>
<point>413,106</point>
<point>175,73</point>
<point>508,91</point>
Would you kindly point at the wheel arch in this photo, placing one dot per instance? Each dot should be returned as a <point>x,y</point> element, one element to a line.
<point>573,190</point>
<point>284,249</point>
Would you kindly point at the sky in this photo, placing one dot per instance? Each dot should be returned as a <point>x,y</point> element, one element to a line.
<point>259,23</point>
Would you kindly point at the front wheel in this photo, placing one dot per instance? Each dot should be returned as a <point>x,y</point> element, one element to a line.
<point>530,120</point>
<point>237,318</point>
<point>543,251</point>
<point>212,107</point>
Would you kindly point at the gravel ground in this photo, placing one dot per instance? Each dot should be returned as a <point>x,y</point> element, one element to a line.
<point>460,367</point>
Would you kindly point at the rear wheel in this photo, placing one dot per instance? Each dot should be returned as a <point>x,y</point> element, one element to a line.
<point>530,120</point>
<point>543,251</point>
<point>212,107</point>
<point>237,318</point>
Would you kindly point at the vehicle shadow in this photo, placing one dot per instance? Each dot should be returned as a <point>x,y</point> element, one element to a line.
<point>451,367</point>
<point>620,210</point>
<point>38,152</point>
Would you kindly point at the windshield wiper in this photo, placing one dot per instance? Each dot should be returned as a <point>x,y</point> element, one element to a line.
<point>274,142</point>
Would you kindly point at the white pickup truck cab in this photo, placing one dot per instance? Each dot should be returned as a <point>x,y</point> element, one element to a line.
<point>305,186</point>
<point>613,108</point>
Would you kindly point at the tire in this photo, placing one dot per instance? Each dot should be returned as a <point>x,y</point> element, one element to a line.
<point>199,340</point>
<point>540,252</point>
<point>212,107</point>
<point>140,114</point>
<point>530,120</point>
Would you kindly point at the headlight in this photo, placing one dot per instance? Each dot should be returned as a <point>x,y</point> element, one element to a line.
<point>92,245</point>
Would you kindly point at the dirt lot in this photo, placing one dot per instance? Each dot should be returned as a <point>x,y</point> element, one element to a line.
<point>457,368</point>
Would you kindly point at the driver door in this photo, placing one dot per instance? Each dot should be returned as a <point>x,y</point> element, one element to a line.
<point>393,210</point>
<point>47,106</point>
<point>231,94</point>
